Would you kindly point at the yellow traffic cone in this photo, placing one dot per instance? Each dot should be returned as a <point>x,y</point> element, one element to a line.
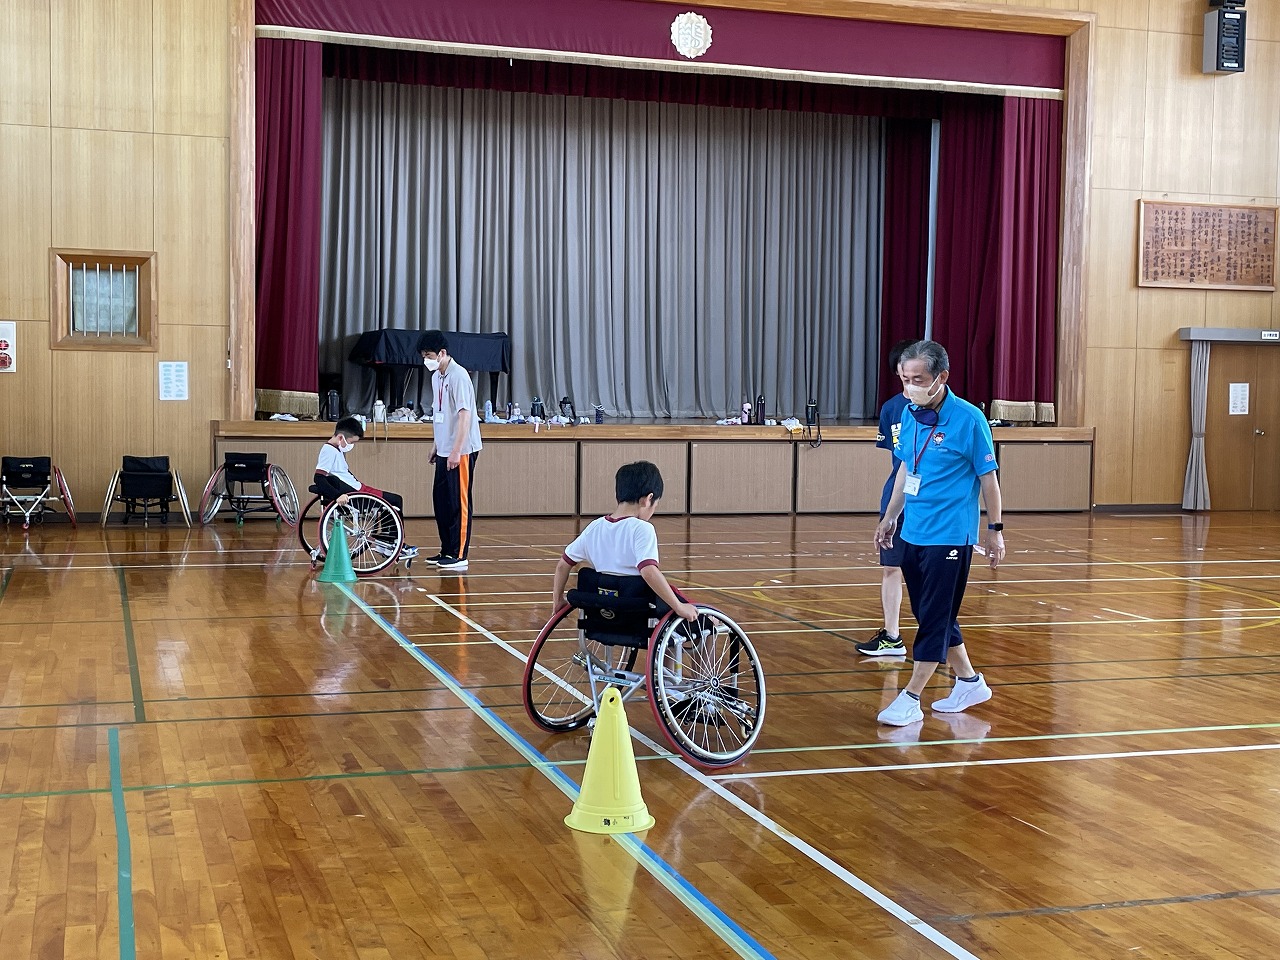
<point>610,800</point>
<point>337,563</point>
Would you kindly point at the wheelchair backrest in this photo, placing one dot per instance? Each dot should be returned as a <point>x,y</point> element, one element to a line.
<point>615,610</point>
<point>146,478</point>
<point>245,467</point>
<point>25,471</point>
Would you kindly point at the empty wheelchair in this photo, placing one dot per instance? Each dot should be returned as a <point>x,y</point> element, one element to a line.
<point>146,487</point>
<point>373,528</point>
<point>247,484</point>
<point>704,681</point>
<point>26,489</point>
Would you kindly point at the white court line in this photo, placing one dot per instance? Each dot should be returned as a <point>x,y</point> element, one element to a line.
<point>1138,616</point>
<point>941,765</point>
<point>782,833</point>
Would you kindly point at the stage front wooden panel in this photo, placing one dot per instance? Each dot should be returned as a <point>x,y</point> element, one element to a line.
<point>1045,476</point>
<point>740,477</point>
<point>840,477</point>
<point>600,461</point>
<point>517,478</point>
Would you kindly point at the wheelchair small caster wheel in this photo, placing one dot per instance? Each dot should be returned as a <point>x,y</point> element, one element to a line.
<point>408,563</point>
<point>26,524</point>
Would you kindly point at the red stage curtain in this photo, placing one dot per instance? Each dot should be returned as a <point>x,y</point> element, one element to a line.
<point>290,110</point>
<point>905,276</point>
<point>1026,336</point>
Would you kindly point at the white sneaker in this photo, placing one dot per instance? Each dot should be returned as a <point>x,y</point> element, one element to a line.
<point>452,563</point>
<point>965,694</point>
<point>905,709</point>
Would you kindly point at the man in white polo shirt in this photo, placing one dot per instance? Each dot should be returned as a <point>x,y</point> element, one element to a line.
<point>456,428</point>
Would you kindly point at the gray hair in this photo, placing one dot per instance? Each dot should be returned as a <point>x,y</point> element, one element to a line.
<point>931,352</point>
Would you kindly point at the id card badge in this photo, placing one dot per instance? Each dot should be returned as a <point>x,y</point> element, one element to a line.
<point>912,486</point>
<point>437,418</point>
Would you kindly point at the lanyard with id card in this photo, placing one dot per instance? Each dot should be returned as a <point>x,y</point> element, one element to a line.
<point>928,418</point>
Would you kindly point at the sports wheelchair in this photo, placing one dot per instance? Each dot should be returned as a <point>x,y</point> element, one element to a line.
<point>231,485</point>
<point>704,680</point>
<point>32,474</point>
<point>374,529</point>
<point>146,486</point>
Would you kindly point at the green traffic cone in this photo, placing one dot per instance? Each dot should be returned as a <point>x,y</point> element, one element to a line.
<point>337,564</point>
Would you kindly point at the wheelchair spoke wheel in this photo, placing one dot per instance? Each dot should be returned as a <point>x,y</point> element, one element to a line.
<point>706,688</point>
<point>214,494</point>
<point>310,514</point>
<point>65,493</point>
<point>374,532</point>
<point>283,495</point>
<point>182,498</point>
<point>110,498</point>
<point>558,675</point>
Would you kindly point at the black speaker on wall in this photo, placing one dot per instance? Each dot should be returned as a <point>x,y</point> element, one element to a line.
<point>1224,37</point>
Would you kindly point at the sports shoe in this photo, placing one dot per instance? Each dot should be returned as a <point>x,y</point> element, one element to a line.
<point>905,709</point>
<point>434,559</point>
<point>965,694</point>
<point>408,553</point>
<point>882,645</point>
<point>452,563</point>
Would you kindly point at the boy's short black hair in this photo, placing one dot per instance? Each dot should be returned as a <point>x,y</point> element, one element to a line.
<point>895,354</point>
<point>349,426</point>
<point>433,341</point>
<point>635,481</point>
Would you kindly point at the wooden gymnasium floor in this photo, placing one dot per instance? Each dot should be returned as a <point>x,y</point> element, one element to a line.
<point>207,754</point>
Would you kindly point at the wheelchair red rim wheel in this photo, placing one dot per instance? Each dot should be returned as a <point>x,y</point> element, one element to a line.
<point>110,498</point>
<point>65,493</point>
<point>365,517</point>
<point>213,496</point>
<point>304,518</point>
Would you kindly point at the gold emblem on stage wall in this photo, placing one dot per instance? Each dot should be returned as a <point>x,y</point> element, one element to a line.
<point>691,35</point>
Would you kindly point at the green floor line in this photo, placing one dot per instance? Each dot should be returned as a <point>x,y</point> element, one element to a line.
<point>135,681</point>
<point>124,852</point>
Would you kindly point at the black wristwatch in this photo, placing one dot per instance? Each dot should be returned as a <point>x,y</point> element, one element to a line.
<point>997,527</point>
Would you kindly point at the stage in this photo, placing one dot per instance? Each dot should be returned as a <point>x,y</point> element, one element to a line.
<point>708,469</point>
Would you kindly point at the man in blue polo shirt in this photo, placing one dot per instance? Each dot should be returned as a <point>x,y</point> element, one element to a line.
<point>947,460</point>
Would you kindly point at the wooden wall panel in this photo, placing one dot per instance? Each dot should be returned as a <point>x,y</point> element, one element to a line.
<point>518,478</point>
<point>840,477</point>
<point>182,426</point>
<point>1119,92</point>
<point>103,407</point>
<point>1044,476</point>
<point>1179,116</point>
<point>740,477</point>
<point>1122,14</point>
<point>192,93</point>
<point>1243,151</point>
<point>1239,308</point>
<point>191,233</point>
<point>28,422</point>
<point>1163,312</point>
<point>24,62</point>
<point>601,459</point>
<point>1111,302</point>
<point>101,64</point>
<point>25,196</point>
<point>1109,406</point>
<point>102,190</point>
<point>1161,443</point>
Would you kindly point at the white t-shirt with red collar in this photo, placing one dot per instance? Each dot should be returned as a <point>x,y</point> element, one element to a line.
<point>622,547</point>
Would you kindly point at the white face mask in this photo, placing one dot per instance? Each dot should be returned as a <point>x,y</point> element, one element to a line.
<point>921,396</point>
<point>432,365</point>
<point>344,447</point>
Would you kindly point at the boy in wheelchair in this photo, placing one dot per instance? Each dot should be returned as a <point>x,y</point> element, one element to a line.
<point>624,544</point>
<point>335,480</point>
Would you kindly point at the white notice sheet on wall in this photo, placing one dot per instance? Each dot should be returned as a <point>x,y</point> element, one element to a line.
<point>8,354</point>
<point>1238,404</point>
<point>173,380</point>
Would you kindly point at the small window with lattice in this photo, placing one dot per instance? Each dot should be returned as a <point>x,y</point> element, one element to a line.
<point>102,300</point>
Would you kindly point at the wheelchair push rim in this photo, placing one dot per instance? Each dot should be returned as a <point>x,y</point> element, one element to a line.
<point>364,517</point>
<point>557,688</point>
<point>214,494</point>
<point>110,499</point>
<point>283,495</point>
<point>706,688</point>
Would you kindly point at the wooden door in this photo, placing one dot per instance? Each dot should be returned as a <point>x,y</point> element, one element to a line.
<point>1228,439</point>
<point>1266,430</point>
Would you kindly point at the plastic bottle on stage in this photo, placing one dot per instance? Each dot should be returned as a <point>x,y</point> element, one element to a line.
<point>488,411</point>
<point>379,412</point>
<point>746,412</point>
<point>759,418</point>
<point>515,413</point>
<point>599,413</point>
<point>508,409</point>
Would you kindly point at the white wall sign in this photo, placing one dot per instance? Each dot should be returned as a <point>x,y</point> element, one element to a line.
<point>1238,405</point>
<point>8,346</point>
<point>173,380</point>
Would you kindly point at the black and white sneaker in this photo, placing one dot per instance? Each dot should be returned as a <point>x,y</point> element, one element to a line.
<point>452,563</point>
<point>882,645</point>
<point>434,559</point>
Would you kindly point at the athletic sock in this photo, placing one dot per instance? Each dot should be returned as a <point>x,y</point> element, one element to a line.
<point>974,679</point>
<point>913,696</point>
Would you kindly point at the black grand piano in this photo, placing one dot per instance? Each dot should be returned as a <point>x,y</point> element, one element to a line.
<point>393,354</point>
